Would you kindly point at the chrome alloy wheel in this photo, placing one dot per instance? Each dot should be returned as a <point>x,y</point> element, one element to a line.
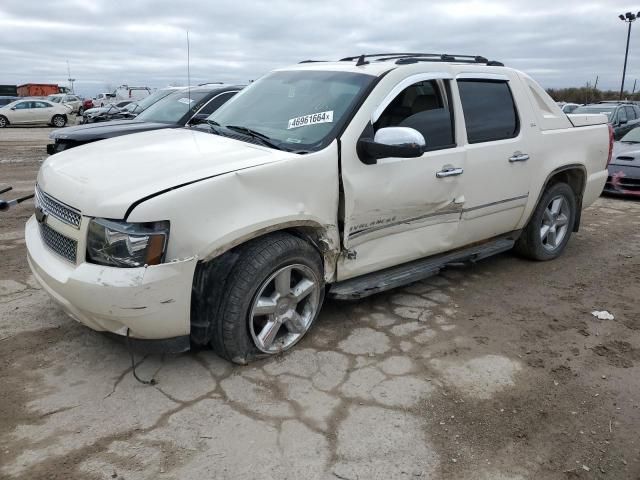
<point>555,223</point>
<point>284,308</point>
<point>59,121</point>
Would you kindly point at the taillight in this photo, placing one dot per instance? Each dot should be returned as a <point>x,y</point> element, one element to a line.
<point>610,144</point>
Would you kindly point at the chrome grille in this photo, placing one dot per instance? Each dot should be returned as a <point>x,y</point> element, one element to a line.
<point>56,209</point>
<point>64,246</point>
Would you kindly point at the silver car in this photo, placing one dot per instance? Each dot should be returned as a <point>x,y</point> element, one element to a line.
<point>624,169</point>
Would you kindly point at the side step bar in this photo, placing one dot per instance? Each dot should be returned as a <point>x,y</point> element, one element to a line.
<point>393,277</point>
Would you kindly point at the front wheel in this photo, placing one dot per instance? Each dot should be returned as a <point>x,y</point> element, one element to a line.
<point>547,233</point>
<point>59,121</point>
<point>272,297</point>
<point>3,122</point>
<point>80,111</point>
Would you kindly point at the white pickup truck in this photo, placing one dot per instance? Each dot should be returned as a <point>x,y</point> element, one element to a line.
<point>325,178</point>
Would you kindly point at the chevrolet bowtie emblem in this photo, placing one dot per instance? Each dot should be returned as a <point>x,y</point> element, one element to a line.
<point>40,215</point>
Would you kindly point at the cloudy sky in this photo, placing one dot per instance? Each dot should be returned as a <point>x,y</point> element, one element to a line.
<point>143,42</point>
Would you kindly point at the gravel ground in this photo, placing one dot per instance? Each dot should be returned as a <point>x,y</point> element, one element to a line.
<point>492,372</point>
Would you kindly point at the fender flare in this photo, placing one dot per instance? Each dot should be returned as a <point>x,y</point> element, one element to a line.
<point>564,168</point>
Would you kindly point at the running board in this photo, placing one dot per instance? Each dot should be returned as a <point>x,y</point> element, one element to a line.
<point>393,277</point>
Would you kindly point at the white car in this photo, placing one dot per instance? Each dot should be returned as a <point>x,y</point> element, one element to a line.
<point>570,107</point>
<point>122,93</point>
<point>340,178</point>
<point>72,102</point>
<point>31,111</point>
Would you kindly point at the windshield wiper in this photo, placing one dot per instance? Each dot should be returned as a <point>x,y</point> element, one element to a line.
<point>268,141</point>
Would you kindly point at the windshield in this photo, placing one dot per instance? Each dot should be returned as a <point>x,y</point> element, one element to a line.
<point>606,110</point>
<point>633,136</point>
<point>302,110</point>
<point>173,107</point>
<point>146,102</point>
<point>54,99</point>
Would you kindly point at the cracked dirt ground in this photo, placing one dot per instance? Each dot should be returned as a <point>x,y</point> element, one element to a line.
<point>495,371</point>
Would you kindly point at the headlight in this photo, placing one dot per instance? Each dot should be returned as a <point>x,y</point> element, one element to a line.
<point>123,244</point>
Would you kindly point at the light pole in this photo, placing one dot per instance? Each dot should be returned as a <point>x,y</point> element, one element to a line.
<point>627,18</point>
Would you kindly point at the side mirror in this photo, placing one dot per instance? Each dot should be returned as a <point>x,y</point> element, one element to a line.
<point>198,119</point>
<point>12,108</point>
<point>400,142</point>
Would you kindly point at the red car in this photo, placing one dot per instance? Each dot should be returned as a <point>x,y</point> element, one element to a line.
<point>86,105</point>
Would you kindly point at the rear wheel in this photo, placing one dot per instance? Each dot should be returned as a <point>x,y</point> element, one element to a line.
<point>80,111</point>
<point>273,295</point>
<point>59,121</point>
<point>549,229</point>
<point>3,121</point>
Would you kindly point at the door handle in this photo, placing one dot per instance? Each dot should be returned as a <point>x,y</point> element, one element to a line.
<point>449,172</point>
<point>519,157</point>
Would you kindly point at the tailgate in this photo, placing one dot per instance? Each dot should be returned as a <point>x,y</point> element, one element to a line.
<point>586,119</point>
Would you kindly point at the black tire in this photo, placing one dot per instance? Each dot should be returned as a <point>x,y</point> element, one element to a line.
<point>59,118</point>
<point>258,261</point>
<point>531,244</point>
<point>80,111</point>
<point>3,122</point>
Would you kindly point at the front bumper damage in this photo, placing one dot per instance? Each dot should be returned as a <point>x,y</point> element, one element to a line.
<point>150,303</point>
<point>623,180</point>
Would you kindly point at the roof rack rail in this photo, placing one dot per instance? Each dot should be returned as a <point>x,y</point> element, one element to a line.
<point>210,83</point>
<point>407,58</point>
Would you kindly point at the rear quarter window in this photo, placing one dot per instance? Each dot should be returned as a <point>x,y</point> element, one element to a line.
<point>489,110</point>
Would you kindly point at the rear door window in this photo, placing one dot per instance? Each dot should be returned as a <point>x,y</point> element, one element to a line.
<point>489,110</point>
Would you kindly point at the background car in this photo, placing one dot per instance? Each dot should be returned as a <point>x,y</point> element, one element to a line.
<point>5,100</point>
<point>87,103</point>
<point>569,107</point>
<point>33,111</point>
<point>101,99</point>
<point>73,102</point>
<point>186,106</point>
<point>127,110</point>
<point>139,106</point>
<point>624,169</point>
<point>103,114</point>
<point>623,116</point>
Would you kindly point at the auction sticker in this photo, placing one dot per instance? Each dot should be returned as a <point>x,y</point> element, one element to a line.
<point>312,119</point>
<point>185,100</point>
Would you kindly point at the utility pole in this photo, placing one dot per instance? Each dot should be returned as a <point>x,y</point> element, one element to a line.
<point>627,18</point>
<point>71,80</point>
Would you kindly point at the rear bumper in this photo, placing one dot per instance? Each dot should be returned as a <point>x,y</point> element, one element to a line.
<point>149,302</point>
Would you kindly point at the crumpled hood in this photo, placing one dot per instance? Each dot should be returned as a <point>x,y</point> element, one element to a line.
<point>630,153</point>
<point>103,179</point>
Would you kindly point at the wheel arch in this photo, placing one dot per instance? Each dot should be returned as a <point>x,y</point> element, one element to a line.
<point>574,175</point>
<point>6,119</point>
<point>221,261</point>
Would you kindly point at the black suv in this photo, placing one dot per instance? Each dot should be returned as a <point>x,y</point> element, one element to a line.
<point>623,116</point>
<point>183,107</point>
